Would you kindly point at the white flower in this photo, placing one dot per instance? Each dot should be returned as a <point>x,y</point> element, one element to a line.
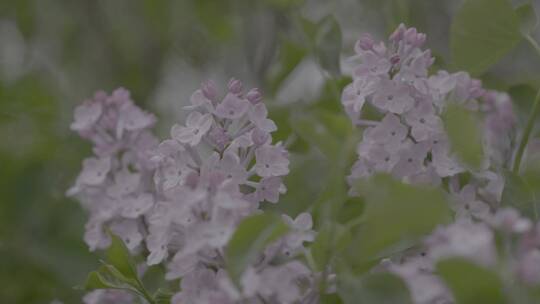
<point>271,161</point>
<point>232,107</point>
<point>86,115</point>
<point>197,125</point>
<point>257,115</point>
<point>95,171</point>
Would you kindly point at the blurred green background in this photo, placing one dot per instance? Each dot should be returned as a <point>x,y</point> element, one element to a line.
<point>55,53</point>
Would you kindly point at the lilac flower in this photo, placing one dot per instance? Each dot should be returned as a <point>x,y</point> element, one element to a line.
<point>355,94</point>
<point>393,97</point>
<point>382,159</point>
<point>184,197</point>
<point>125,183</point>
<point>233,169</point>
<point>474,241</point>
<point>133,118</point>
<point>199,99</point>
<point>373,64</point>
<point>128,230</point>
<point>445,164</point>
<point>215,171</point>
<point>528,268</point>
<point>271,161</point>
<point>232,107</point>
<point>94,171</point>
<point>280,282</point>
<point>467,206</point>
<point>86,115</point>
<point>424,285</point>
<point>254,96</point>
<point>108,296</point>
<point>300,231</point>
<point>390,132</point>
<point>394,79</point>
<point>268,189</point>
<point>423,121</point>
<point>411,160</point>
<point>257,115</point>
<point>137,205</point>
<point>197,125</point>
<point>509,220</point>
<point>201,286</point>
<point>114,186</point>
<point>500,122</point>
<point>410,142</point>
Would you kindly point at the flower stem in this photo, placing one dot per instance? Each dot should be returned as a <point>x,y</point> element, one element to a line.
<point>527,132</point>
<point>533,43</point>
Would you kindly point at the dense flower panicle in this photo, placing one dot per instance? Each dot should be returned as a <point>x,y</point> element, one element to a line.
<point>213,171</point>
<point>115,185</point>
<point>476,242</point>
<point>185,196</point>
<point>410,141</point>
<point>207,185</point>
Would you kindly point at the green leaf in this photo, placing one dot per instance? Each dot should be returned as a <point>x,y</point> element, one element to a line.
<point>95,280</point>
<point>290,55</point>
<point>332,298</point>
<point>309,28</point>
<point>520,194</point>
<point>326,131</point>
<point>380,288</point>
<point>329,99</point>
<point>482,32</point>
<point>328,42</point>
<point>215,16</point>
<point>352,209</point>
<point>464,134</point>
<point>107,277</point>
<point>471,283</point>
<point>252,235</point>
<point>523,98</point>
<point>527,18</point>
<point>282,116</point>
<point>333,195</point>
<point>395,213</point>
<point>302,188</point>
<point>163,296</point>
<point>331,240</point>
<point>119,257</point>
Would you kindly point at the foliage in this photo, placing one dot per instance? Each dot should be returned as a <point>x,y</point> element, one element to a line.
<point>365,237</point>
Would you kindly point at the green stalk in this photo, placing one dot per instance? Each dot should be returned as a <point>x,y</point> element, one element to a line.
<point>527,133</point>
<point>533,43</point>
<point>534,114</point>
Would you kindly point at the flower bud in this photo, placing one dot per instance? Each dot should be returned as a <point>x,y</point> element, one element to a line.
<point>254,96</point>
<point>235,86</point>
<point>365,43</point>
<point>209,90</point>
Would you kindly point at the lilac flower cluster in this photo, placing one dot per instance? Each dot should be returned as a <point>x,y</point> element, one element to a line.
<point>178,202</point>
<point>115,185</point>
<point>410,141</point>
<point>184,197</point>
<point>214,171</point>
<point>476,242</point>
